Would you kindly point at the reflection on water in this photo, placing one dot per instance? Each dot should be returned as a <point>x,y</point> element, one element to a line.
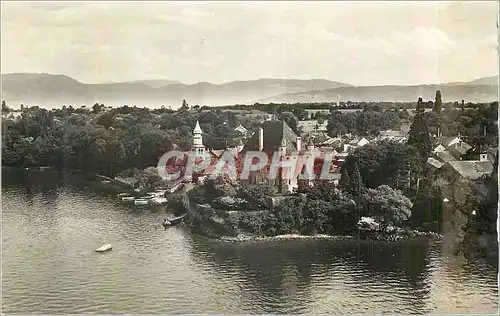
<point>52,222</point>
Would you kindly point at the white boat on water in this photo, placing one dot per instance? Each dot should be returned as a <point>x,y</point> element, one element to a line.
<point>104,248</point>
<point>141,202</point>
<point>122,194</point>
<point>159,200</point>
<point>127,198</point>
<point>157,193</point>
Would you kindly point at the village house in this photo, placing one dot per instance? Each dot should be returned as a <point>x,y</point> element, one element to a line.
<point>323,140</point>
<point>357,142</point>
<point>392,135</point>
<point>452,169</point>
<point>241,130</point>
<point>311,113</point>
<point>450,149</point>
<point>312,126</point>
<point>468,169</point>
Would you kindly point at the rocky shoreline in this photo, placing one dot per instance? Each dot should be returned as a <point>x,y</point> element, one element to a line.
<point>376,237</point>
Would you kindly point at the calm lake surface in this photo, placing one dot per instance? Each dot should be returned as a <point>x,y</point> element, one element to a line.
<point>52,222</point>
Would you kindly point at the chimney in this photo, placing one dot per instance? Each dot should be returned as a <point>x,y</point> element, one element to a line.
<point>299,143</point>
<point>261,139</point>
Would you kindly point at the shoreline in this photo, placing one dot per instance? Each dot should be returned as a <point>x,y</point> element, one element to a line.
<point>374,237</point>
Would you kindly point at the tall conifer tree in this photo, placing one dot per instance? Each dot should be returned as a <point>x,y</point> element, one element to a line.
<point>419,133</point>
<point>356,186</point>
<point>345,180</point>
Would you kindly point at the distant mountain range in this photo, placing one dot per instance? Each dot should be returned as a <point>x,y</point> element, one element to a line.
<point>468,91</point>
<point>49,90</point>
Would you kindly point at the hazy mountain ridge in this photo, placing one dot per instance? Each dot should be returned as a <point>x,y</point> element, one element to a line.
<point>49,90</point>
<point>155,83</point>
<point>454,92</point>
<point>488,81</point>
<point>56,90</point>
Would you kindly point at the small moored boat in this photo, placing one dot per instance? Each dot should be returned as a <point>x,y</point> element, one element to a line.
<point>127,198</point>
<point>122,194</point>
<point>104,248</point>
<point>141,202</point>
<point>159,200</point>
<point>173,221</point>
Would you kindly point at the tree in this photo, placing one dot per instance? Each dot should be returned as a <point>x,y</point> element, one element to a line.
<point>438,109</point>
<point>438,102</point>
<point>5,108</point>
<point>345,180</point>
<point>419,136</point>
<point>387,205</point>
<point>256,194</point>
<point>184,106</point>
<point>356,187</point>
<point>96,108</point>
<point>420,106</point>
<point>300,113</point>
<point>290,120</point>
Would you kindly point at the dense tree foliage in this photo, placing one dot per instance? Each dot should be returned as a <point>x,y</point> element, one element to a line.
<point>382,162</point>
<point>387,205</point>
<point>477,125</point>
<point>299,107</point>
<point>365,122</point>
<point>108,142</point>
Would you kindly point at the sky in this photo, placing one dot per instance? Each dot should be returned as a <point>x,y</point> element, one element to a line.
<point>360,43</point>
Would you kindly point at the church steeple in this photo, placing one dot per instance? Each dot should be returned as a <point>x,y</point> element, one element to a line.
<point>198,139</point>
<point>197,128</point>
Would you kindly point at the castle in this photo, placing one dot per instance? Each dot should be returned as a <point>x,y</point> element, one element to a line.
<point>273,137</point>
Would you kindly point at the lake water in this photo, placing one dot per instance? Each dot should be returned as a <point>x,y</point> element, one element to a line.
<point>52,222</point>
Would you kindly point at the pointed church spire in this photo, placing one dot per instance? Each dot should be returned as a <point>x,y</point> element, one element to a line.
<point>197,129</point>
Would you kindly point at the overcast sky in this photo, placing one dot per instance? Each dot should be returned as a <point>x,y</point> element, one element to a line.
<point>361,43</point>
